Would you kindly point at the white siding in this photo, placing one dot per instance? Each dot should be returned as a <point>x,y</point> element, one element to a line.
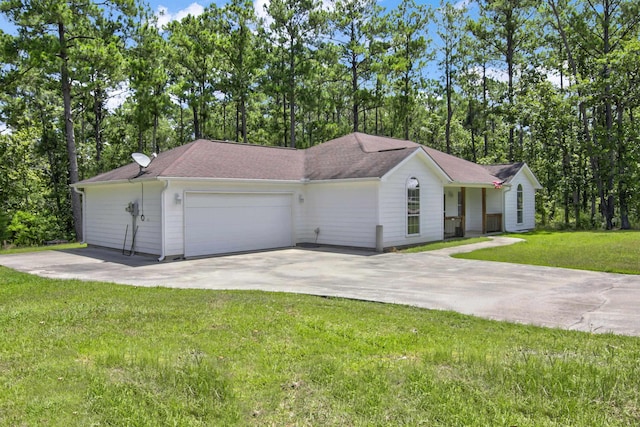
<point>494,200</point>
<point>345,213</point>
<point>393,204</point>
<point>107,220</point>
<point>529,204</point>
<point>451,205</point>
<point>473,204</point>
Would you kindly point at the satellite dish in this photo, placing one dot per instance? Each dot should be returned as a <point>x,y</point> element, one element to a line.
<point>141,159</point>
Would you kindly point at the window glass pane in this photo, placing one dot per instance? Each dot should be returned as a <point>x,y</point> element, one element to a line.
<point>413,225</point>
<point>519,202</point>
<point>413,206</point>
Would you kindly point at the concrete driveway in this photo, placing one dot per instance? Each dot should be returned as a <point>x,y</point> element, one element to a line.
<point>568,299</point>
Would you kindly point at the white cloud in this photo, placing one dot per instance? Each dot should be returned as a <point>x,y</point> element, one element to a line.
<point>165,16</point>
<point>194,9</point>
<point>117,96</point>
<point>260,8</point>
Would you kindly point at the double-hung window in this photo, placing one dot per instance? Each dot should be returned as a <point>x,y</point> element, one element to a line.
<point>519,204</point>
<point>413,206</point>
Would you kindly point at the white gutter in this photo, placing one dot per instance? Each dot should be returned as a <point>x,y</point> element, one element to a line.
<point>84,214</point>
<point>324,181</point>
<point>233,180</point>
<point>115,181</point>
<point>162,221</point>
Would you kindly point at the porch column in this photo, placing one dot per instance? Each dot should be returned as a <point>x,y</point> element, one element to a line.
<point>484,211</point>
<point>463,214</point>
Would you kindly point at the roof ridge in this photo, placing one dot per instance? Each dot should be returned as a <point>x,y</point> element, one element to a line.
<point>249,144</point>
<point>356,136</point>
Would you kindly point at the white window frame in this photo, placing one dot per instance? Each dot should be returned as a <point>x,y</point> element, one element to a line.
<point>519,205</point>
<point>412,192</point>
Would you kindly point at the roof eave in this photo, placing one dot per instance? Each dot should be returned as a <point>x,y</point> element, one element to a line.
<point>324,181</point>
<point>427,159</point>
<point>474,184</point>
<point>82,184</point>
<point>531,176</point>
<point>227,180</point>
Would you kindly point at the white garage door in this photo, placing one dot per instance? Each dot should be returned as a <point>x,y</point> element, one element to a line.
<point>220,223</point>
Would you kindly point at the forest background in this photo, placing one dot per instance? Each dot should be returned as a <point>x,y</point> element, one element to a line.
<point>554,83</point>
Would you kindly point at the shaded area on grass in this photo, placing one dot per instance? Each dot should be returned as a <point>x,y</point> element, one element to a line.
<point>608,251</point>
<point>76,353</point>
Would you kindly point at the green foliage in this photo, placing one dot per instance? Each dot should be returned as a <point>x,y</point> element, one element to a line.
<point>28,229</point>
<point>4,228</point>
<point>121,355</point>
<point>554,84</point>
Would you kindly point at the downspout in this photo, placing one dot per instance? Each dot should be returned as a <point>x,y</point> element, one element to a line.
<point>504,207</point>
<point>162,221</point>
<point>84,214</point>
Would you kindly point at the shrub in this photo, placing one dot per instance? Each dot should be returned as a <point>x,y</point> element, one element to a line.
<point>28,229</point>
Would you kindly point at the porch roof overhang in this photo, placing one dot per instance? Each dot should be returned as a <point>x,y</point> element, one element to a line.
<point>475,185</point>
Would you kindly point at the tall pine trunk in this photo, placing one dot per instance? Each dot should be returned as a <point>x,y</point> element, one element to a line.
<point>76,207</point>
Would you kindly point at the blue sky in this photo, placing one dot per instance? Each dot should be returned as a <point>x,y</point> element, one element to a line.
<point>176,9</point>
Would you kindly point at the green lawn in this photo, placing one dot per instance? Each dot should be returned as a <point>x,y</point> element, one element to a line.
<point>42,248</point>
<point>79,354</point>
<point>609,251</point>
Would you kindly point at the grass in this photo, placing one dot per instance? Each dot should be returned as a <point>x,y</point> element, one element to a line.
<point>22,250</point>
<point>447,244</point>
<point>85,353</point>
<point>608,251</point>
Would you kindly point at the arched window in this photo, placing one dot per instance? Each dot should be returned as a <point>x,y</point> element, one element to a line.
<point>413,206</point>
<point>520,203</point>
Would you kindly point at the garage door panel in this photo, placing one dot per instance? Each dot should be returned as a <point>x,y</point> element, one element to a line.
<point>221,223</point>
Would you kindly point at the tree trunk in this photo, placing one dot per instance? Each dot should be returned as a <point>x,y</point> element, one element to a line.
<point>154,143</point>
<point>196,122</point>
<point>510,62</point>
<point>97,134</point>
<point>622,172</point>
<point>448,89</point>
<point>292,98</point>
<point>484,110</point>
<point>182,138</point>
<point>76,207</point>
<point>354,81</point>
<point>607,199</point>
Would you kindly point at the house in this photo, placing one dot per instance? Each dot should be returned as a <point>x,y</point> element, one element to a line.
<point>211,197</point>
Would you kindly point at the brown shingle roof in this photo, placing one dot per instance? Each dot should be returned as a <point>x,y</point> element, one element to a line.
<point>352,156</point>
<point>460,170</point>
<point>215,159</point>
<point>505,172</point>
<point>356,155</point>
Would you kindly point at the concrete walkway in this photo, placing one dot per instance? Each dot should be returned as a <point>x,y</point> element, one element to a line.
<point>568,299</point>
